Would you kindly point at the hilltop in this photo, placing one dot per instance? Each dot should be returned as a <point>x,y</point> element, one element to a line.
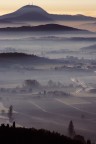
<point>27,13</point>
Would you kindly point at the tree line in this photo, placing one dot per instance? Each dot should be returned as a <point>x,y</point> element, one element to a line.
<point>18,135</point>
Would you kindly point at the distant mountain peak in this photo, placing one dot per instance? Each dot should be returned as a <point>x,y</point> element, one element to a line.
<point>27,13</point>
<point>33,13</point>
<point>31,8</point>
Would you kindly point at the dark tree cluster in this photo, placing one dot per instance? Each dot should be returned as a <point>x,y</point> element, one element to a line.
<point>14,135</point>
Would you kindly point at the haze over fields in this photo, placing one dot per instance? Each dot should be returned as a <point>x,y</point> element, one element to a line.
<point>48,71</point>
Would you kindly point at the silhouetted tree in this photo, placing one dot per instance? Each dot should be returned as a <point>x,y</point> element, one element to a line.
<point>88,142</point>
<point>14,124</point>
<point>31,84</point>
<point>7,126</point>
<point>10,113</point>
<point>2,125</point>
<point>71,130</point>
<point>80,139</point>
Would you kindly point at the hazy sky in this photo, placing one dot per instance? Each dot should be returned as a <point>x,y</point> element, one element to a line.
<point>86,7</point>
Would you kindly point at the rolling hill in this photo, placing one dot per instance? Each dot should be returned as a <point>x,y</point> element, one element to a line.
<point>46,27</point>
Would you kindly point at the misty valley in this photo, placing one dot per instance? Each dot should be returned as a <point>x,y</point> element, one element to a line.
<point>49,78</point>
<point>48,74</point>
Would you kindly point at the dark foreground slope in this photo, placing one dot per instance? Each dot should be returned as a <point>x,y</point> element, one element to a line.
<point>12,135</point>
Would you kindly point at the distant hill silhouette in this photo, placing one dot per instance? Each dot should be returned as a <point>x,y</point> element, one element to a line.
<point>16,55</point>
<point>77,17</point>
<point>34,13</point>
<point>89,48</point>
<point>47,27</point>
<point>22,58</point>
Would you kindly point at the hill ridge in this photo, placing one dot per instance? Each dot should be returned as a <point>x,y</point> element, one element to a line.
<point>46,27</point>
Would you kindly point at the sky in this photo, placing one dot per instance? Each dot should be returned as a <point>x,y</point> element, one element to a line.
<point>86,7</point>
